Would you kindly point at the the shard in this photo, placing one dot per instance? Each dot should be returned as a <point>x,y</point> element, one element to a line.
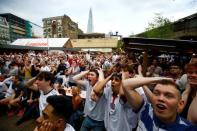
<point>90,28</point>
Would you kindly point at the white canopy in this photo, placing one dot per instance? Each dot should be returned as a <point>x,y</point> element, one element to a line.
<point>41,42</point>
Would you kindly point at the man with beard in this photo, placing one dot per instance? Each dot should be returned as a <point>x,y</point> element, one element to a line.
<point>93,110</point>
<point>162,111</point>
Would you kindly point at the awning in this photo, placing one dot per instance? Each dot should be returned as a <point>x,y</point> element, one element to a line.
<point>39,44</point>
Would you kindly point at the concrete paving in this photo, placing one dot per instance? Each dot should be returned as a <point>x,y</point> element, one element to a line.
<point>8,124</point>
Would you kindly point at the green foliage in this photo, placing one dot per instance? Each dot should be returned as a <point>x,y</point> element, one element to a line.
<point>160,28</point>
<point>119,46</point>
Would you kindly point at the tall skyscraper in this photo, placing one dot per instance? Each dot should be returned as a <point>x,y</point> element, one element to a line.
<point>90,28</point>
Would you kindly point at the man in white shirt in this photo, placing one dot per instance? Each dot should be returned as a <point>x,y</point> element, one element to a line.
<point>44,66</point>
<point>118,113</point>
<point>93,110</point>
<point>43,84</point>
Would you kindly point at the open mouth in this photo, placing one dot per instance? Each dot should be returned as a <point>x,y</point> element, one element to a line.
<point>161,107</point>
<point>193,80</point>
<point>89,80</point>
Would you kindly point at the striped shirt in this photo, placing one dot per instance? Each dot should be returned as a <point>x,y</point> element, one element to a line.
<point>149,122</point>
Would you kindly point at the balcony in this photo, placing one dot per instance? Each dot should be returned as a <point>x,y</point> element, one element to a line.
<point>17,28</point>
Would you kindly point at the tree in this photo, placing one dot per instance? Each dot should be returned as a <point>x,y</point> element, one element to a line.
<point>160,28</point>
<point>119,46</point>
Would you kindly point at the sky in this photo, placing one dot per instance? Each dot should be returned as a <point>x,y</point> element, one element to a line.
<point>125,16</point>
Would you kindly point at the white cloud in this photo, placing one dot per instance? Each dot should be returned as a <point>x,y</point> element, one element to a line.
<point>125,16</point>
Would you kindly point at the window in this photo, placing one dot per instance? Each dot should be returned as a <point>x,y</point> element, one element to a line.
<point>49,29</point>
<point>192,23</point>
<point>48,22</point>
<point>45,23</point>
<point>59,22</point>
<point>59,28</point>
<point>59,35</point>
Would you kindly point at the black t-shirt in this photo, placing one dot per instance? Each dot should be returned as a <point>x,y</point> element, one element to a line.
<point>61,67</point>
<point>34,72</point>
<point>36,94</point>
<point>18,88</point>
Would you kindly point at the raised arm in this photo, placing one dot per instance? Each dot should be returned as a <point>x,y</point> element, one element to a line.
<point>185,95</point>
<point>7,79</point>
<point>99,87</point>
<point>132,96</point>
<point>148,93</point>
<point>30,83</point>
<point>77,78</point>
<point>101,74</point>
<point>124,77</point>
<point>192,114</point>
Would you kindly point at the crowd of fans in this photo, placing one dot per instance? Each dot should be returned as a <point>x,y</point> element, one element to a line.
<point>119,95</point>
